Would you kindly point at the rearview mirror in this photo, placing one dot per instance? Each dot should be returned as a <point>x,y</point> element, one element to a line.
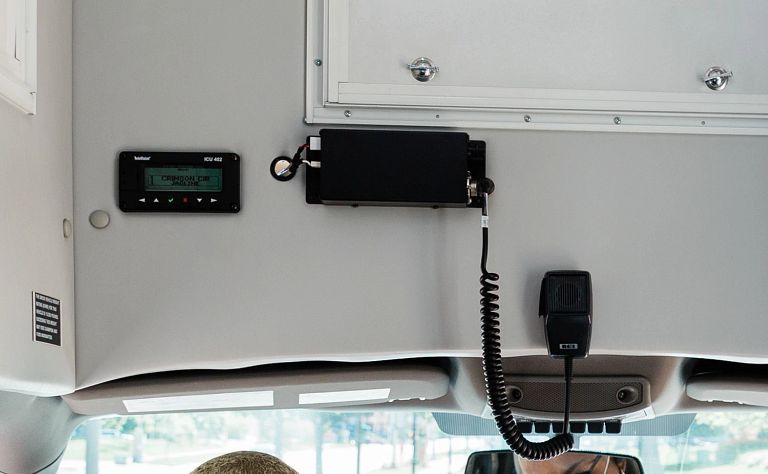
<point>573,462</point>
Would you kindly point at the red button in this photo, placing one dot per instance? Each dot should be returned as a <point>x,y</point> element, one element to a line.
<point>185,200</point>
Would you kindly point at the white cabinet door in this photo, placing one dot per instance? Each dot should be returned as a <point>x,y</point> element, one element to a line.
<point>593,64</point>
<point>10,16</point>
<point>18,30</point>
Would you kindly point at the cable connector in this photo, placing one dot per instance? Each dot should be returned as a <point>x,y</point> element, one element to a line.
<point>284,168</point>
<point>481,188</point>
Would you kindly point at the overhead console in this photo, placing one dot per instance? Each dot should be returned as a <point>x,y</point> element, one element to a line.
<point>457,424</point>
<point>611,399</point>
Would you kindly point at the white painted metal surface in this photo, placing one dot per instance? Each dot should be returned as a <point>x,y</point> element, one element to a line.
<point>673,228</point>
<point>595,65</point>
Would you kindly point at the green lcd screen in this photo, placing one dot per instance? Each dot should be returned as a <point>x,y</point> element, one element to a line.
<point>207,180</point>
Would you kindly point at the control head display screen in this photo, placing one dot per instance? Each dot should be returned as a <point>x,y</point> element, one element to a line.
<point>163,181</point>
<point>186,179</point>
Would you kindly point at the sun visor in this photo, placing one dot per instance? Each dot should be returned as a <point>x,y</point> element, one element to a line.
<point>316,387</point>
<point>744,390</point>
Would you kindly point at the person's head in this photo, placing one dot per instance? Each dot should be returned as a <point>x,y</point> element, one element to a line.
<point>244,462</point>
<point>576,463</point>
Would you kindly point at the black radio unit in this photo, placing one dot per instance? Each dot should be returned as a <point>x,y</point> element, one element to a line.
<point>179,182</point>
<point>394,168</point>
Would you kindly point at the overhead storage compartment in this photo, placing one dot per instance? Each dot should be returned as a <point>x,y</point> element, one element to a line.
<point>686,67</point>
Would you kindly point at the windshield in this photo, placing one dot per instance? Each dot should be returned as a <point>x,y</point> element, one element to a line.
<point>381,443</point>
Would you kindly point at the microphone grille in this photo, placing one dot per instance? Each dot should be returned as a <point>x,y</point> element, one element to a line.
<point>568,294</point>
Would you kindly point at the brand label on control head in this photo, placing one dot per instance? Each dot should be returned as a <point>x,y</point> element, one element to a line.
<point>569,347</point>
<point>46,313</point>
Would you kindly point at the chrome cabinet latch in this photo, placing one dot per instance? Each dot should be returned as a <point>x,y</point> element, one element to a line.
<point>422,69</point>
<point>717,78</point>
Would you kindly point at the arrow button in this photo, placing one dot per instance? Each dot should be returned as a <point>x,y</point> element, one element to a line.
<point>199,199</point>
<point>156,200</point>
<point>214,200</point>
<point>142,199</point>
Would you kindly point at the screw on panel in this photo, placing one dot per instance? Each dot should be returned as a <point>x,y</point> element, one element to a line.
<point>617,120</point>
<point>527,118</point>
<point>347,113</point>
<point>318,62</point>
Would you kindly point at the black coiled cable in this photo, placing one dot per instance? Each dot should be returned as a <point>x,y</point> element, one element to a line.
<point>494,373</point>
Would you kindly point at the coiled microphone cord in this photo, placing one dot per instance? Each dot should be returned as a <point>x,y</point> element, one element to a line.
<point>494,373</point>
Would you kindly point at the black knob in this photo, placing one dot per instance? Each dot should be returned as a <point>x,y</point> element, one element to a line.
<point>282,169</point>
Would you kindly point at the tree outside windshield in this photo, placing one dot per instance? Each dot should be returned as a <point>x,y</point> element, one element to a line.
<point>380,443</point>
